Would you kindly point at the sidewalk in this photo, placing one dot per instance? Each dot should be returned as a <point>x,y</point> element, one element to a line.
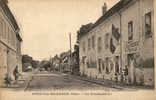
<point>15,86</point>
<point>112,84</point>
<point>20,84</point>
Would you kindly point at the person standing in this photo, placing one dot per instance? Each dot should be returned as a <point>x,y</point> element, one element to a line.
<point>16,73</point>
<point>126,74</point>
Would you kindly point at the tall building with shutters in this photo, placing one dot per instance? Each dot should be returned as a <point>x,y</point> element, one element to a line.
<point>10,42</point>
<point>122,36</point>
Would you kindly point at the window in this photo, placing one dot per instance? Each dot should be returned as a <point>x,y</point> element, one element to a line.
<point>107,65</point>
<point>103,65</point>
<point>9,36</point>
<point>99,44</point>
<point>14,40</point>
<point>4,30</point>
<point>93,42</point>
<point>83,59</point>
<point>99,63</point>
<point>88,63</point>
<point>130,30</point>
<point>148,27</point>
<point>106,41</point>
<point>89,44</point>
<point>1,26</point>
<point>111,65</point>
<point>117,64</point>
<point>83,46</point>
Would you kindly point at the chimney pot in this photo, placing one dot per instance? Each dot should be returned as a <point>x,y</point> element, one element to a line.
<point>104,8</point>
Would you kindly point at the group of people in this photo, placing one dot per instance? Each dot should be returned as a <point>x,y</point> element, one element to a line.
<point>124,75</point>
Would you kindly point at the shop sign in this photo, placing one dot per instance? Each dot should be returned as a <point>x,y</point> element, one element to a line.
<point>132,47</point>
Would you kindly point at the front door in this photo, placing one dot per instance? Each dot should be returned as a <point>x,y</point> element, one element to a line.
<point>131,68</point>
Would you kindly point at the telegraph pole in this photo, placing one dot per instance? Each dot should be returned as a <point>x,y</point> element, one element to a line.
<point>50,63</point>
<point>70,51</point>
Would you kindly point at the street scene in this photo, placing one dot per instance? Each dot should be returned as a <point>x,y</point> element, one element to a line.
<point>57,81</point>
<point>51,46</point>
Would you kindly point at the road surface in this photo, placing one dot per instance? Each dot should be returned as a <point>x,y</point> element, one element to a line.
<point>58,81</point>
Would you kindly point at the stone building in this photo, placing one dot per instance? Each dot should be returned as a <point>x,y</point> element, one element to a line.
<point>138,40</point>
<point>10,42</point>
<point>122,36</point>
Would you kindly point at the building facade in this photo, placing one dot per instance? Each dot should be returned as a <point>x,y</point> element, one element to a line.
<point>10,42</point>
<point>122,37</point>
<point>138,40</point>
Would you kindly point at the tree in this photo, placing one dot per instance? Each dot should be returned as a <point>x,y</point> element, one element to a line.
<point>35,63</point>
<point>28,61</point>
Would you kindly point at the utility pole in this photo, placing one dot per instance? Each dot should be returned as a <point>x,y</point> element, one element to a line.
<point>50,63</point>
<point>70,50</point>
<point>121,44</point>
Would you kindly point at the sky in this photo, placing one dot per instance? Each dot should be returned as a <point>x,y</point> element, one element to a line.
<point>45,24</point>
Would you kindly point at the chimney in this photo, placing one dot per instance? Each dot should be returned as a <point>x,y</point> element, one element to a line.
<point>104,8</point>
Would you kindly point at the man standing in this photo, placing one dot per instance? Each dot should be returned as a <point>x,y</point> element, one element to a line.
<point>16,73</point>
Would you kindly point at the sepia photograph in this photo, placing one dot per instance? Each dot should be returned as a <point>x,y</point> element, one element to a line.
<point>82,45</point>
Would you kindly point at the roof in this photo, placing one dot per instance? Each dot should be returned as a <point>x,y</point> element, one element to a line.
<point>110,12</point>
<point>9,14</point>
<point>4,6</point>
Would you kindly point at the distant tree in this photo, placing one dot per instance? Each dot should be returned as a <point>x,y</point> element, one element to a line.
<point>45,64</point>
<point>35,63</point>
<point>26,59</point>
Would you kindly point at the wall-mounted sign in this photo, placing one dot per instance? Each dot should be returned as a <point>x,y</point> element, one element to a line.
<point>132,47</point>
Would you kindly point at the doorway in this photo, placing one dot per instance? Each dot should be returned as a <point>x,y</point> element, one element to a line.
<point>100,65</point>
<point>117,64</point>
<point>131,69</point>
